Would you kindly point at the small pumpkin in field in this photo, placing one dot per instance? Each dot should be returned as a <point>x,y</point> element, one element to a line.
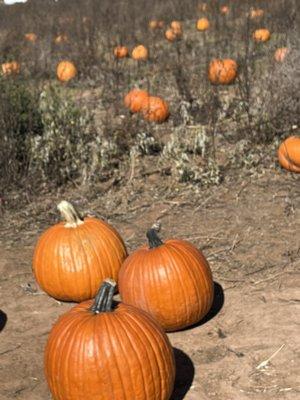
<point>101,350</point>
<point>170,280</point>
<point>170,35</point>
<point>66,71</point>
<point>261,35</point>
<point>10,68</point>
<point>30,37</point>
<point>63,38</point>
<point>156,24</point>
<point>202,7</point>
<point>202,24</point>
<point>280,54</point>
<point>222,71</point>
<point>72,258</point>
<point>135,99</point>
<point>224,10</point>
<point>155,109</point>
<point>120,51</point>
<point>289,154</point>
<point>256,13</point>
<point>140,53</point>
<point>176,27</point>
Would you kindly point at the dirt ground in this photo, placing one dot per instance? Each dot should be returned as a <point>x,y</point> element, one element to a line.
<point>248,228</point>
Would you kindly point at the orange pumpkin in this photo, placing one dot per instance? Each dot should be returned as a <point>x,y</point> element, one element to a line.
<point>30,37</point>
<point>10,68</point>
<point>72,258</point>
<point>256,13</point>
<point>280,54</point>
<point>223,71</point>
<point>170,280</point>
<point>289,154</point>
<point>155,109</point>
<point>100,350</point>
<point>66,71</point>
<point>170,35</point>
<point>120,51</point>
<point>156,24</point>
<point>224,10</point>
<point>176,27</point>
<point>140,53</point>
<point>61,39</point>
<point>202,24</point>
<point>261,35</point>
<point>134,100</point>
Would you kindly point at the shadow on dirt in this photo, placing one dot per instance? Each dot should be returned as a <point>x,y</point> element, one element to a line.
<point>185,372</point>
<point>3,319</point>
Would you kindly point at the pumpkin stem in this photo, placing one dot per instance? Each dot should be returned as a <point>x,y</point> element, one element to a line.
<point>153,239</point>
<point>104,298</point>
<point>69,214</point>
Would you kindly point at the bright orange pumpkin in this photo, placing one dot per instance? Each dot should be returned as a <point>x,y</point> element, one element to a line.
<point>261,35</point>
<point>170,35</point>
<point>134,100</point>
<point>202,24</point>
<point>99,350</point>
<point>155,109</point>
<point>30,37</point>
<point>72,258</point>
<point>66,71</point>
<point>280,54</point>
<point>223,71</point>
<point>170,280</point>
<point>289,154</point>
<point>140,53</point>
<point>120,51</point>
<point>10,68</point>
<point>176,27</point>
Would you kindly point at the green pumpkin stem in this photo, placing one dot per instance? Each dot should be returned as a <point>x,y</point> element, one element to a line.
<point>69,214</point>
<point>104,298</point>
<point>153,239</point>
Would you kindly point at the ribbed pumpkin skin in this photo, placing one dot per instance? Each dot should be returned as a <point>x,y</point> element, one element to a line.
<point>289,154</point>
<point>66,71</point>
<point>172,282</point>
<point>155,109</point>
<point>134,100</point>
<point>223,71</point>
<point>119,355</point>
<point>70,263</point>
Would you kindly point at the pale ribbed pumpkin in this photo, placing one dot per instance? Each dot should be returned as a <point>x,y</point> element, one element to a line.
<point>100,350</point>
<point>289,154</point>
<point>170,280</point>
<point>72,258</point>
<point>280,54</point>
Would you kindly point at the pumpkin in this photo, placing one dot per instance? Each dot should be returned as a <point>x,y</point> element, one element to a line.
<point>66,71</point>
<point>261,35</point>
<point>170,35</point>
<point>223,71</point>
<point>170,280</point>
<point>155,109</point>
<point>176,27</point>
<point>256,13</point>
<point>100,350</point>
<point>202,24</point>
<point>120,51</point>
<point>72,258</point>
<point>61,39</point>
<point>280,54</point>
<point>30,37</point>
<point>224,10</point>
<point>289,154</point>
<point>134,100</point>
<point>10,68</point>
<point>140,53</point>
<point>155,24</point>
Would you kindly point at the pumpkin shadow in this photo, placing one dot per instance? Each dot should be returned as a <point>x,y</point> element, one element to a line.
<point>3,320</point>
<point>185,372</point>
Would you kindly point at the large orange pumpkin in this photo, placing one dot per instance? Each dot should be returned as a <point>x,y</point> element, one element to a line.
<point>30,37</point>
<point>120,51</point>
<point>66,71</point>
<point>140,53</point>
<point>176,27</point>
<point>202,24</point>
<point>223,71</point>
<point>72,258</point>
<point>134,100</point>
<point>261,35</point>
<point>155,109</point>
<point>172,281</point>
<point>170,35</point>
<point>280,54</point>
<point>10,68</point>
<point>99,350</point>
<point>289,154</point>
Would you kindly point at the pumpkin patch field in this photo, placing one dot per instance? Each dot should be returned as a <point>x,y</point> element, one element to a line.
<point>149,200</point>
